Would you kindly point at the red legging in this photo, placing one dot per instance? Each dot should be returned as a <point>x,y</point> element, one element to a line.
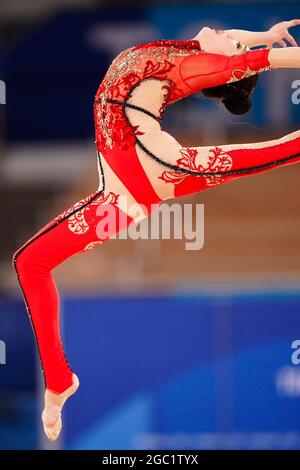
<point>77,230</point>
<point>72,232</point>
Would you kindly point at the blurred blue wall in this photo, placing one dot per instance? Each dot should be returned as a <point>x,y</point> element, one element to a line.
<point>167,372</point>
<point>18,401</point>
<point>16,332</point>
<point>163,372</point>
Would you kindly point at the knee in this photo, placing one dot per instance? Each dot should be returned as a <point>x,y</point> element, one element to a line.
<point>15,260</point>
<point>20,262</point>
<point>26,262</point>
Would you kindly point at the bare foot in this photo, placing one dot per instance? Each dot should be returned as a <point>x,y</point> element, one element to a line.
<point>54,402</point>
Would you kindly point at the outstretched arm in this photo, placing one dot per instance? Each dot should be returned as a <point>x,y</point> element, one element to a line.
<point>285,58</point>
<point>206,70</point>
<point>276,34</point>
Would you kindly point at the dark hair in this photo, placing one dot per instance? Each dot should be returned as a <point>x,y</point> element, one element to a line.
<point>235,96</point>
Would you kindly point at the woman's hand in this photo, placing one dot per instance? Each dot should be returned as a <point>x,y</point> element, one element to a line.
<point>279,32</point>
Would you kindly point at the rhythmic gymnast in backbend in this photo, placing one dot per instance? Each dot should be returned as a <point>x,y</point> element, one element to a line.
<point>145,165</point>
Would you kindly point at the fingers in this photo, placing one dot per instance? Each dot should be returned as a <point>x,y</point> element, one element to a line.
<point>288,36</point>
<point>292,23</point>
<point>281,33</point>
<point>290,39</point>
<point>281,42</point>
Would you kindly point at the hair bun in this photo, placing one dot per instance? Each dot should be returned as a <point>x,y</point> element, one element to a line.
<point>236,97</point>
<point>238,105</point>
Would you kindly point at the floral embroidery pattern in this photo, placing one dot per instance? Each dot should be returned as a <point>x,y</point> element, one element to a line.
<point>77,222</point>
<point>128,69</point>
<point>239,74</point>
<point>218,161</point>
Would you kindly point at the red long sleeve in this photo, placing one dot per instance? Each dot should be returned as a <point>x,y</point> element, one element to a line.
<point>206,70</point>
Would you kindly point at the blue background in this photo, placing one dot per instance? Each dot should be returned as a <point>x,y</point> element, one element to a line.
<point>155,367</point>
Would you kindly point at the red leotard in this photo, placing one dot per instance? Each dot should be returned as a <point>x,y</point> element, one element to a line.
<point>141,162</point>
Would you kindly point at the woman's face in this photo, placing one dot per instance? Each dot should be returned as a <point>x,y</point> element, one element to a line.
<point>218,41</point>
